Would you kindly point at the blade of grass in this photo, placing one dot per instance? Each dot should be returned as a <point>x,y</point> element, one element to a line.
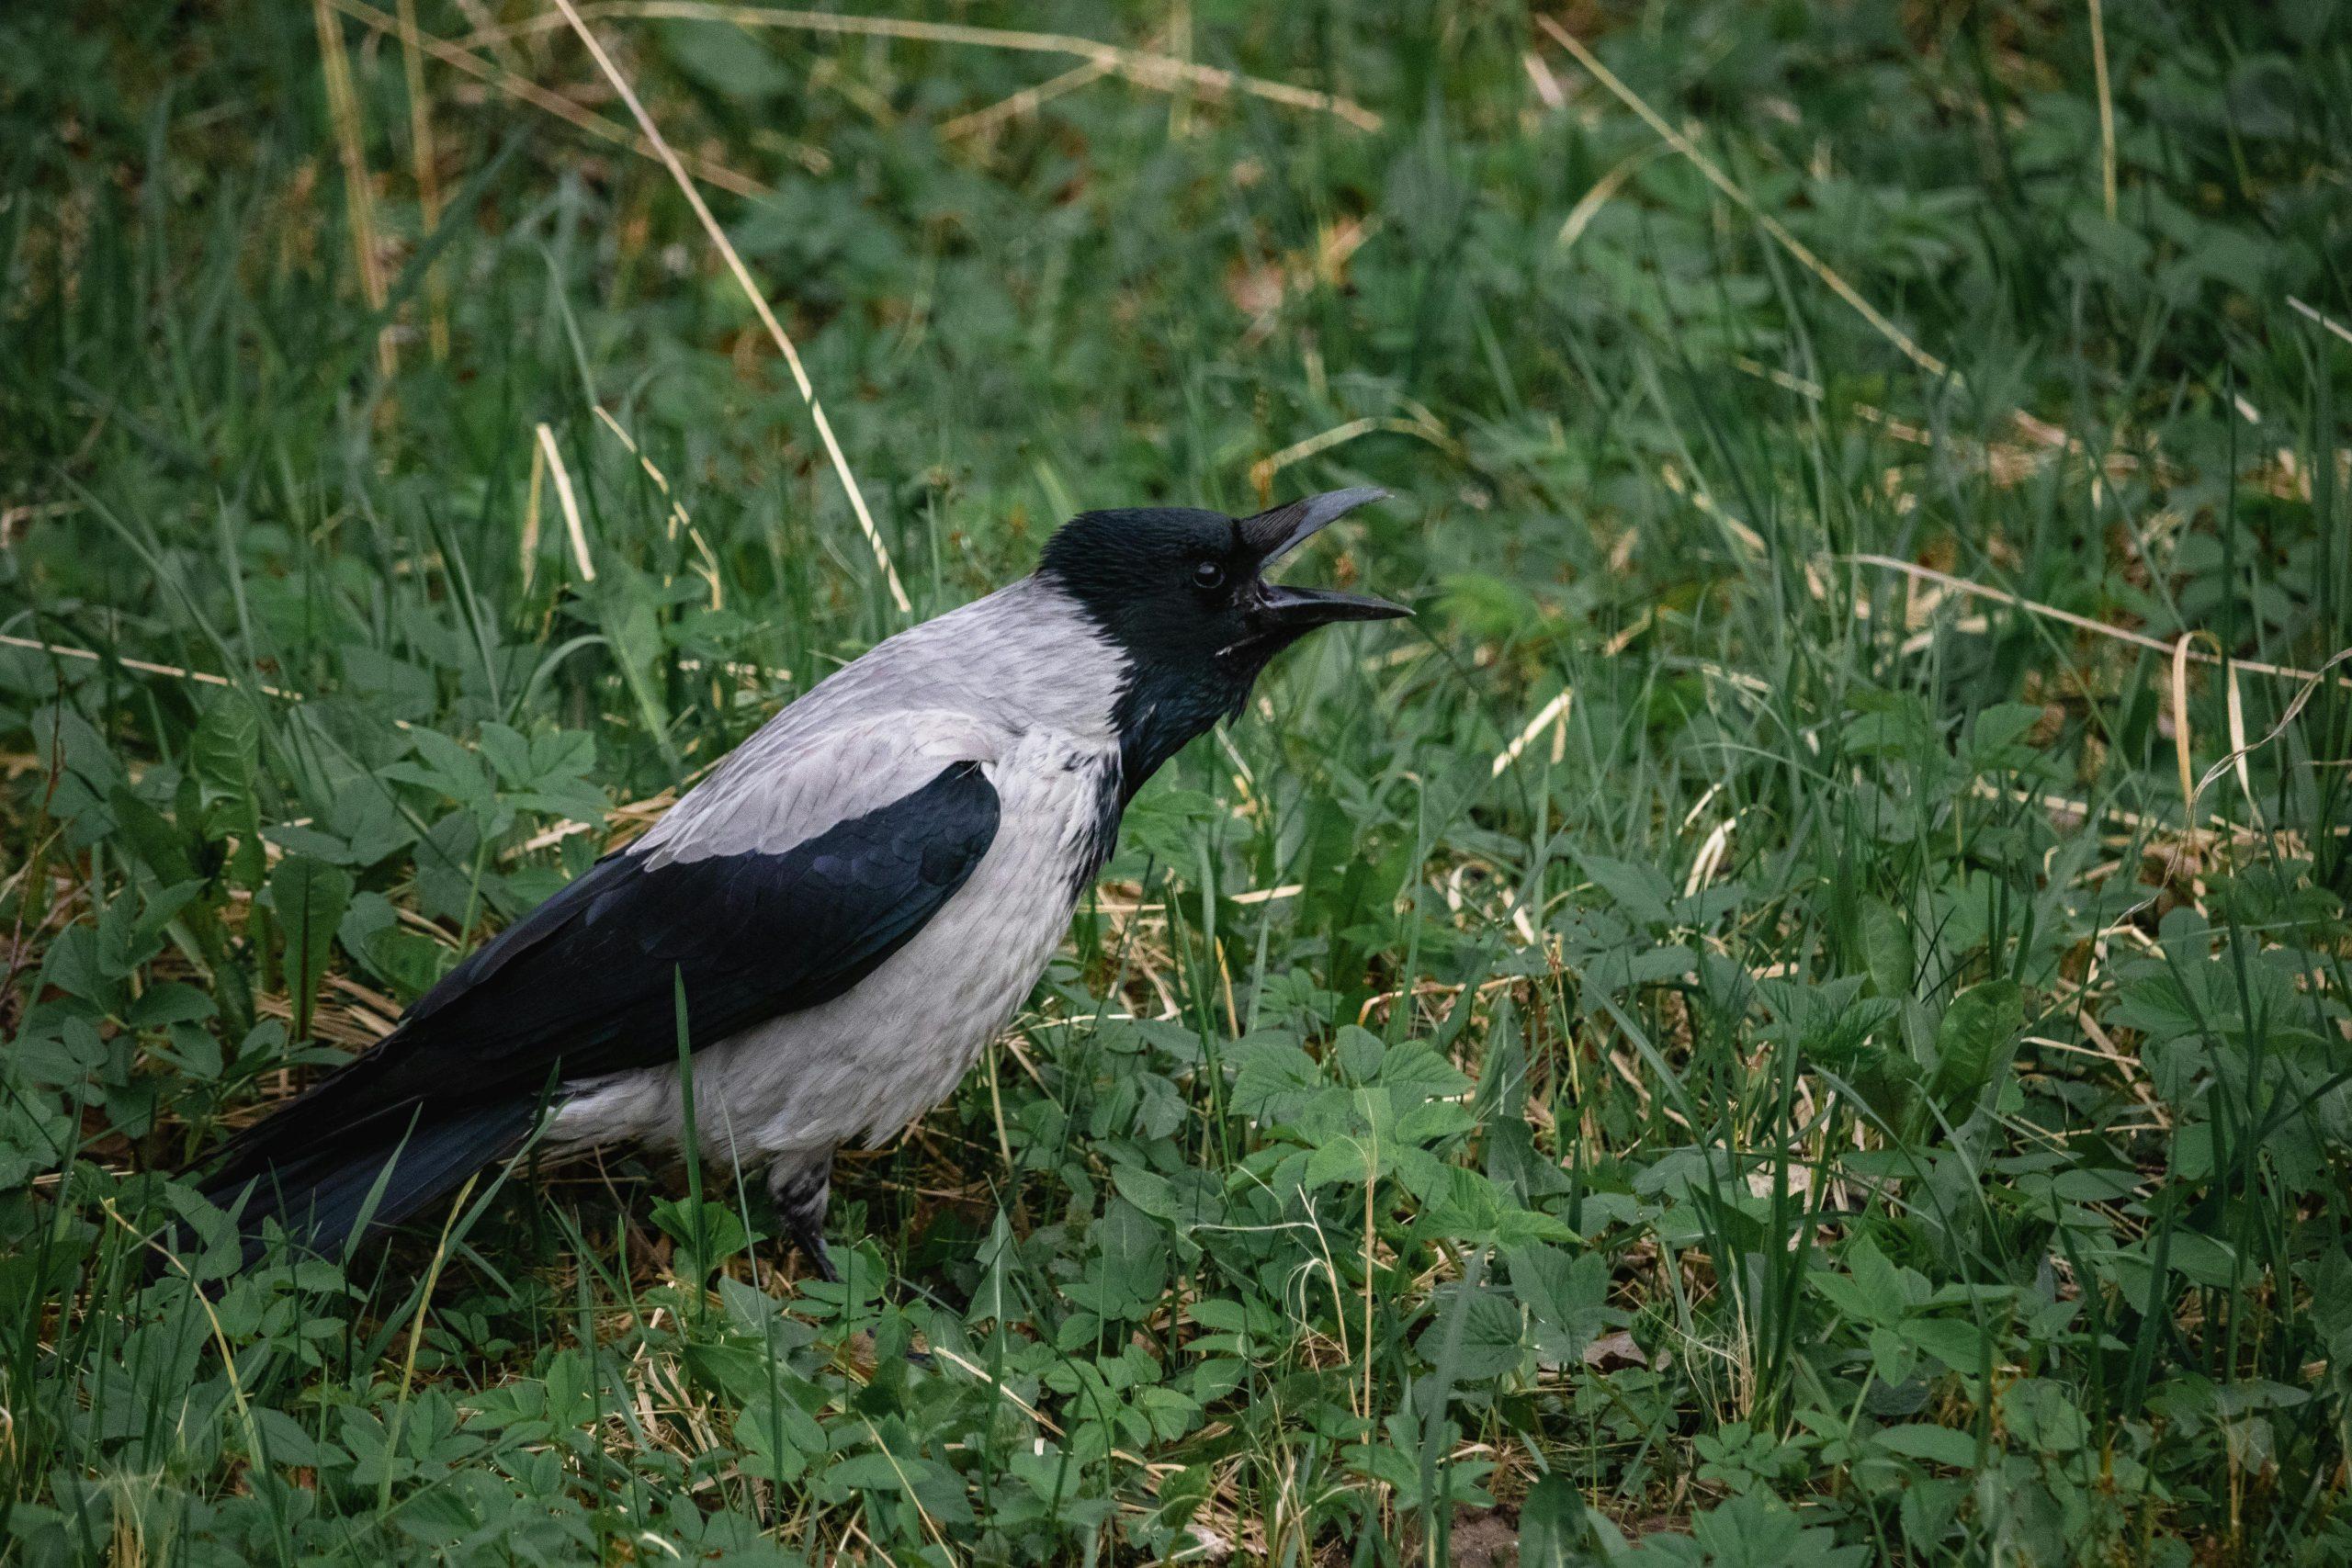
<point>742,277</point>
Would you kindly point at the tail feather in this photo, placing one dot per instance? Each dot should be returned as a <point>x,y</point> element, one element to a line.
<point>322,1199</point>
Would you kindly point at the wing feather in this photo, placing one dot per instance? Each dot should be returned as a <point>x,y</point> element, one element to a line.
<point>586,983</point>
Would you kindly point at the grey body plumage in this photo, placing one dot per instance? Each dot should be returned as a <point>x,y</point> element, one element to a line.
<point>1018,681</point>
<point>852,905</point>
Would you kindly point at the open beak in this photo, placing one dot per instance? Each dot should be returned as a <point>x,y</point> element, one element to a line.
<point>1277,533</point>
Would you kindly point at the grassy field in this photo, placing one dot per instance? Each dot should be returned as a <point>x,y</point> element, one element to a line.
<point>1797,1015</point>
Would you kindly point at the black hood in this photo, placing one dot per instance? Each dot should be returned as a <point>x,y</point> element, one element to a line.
<point>1181,591</point>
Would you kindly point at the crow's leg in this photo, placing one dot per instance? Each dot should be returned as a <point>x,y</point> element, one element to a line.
<point>803,1187</point>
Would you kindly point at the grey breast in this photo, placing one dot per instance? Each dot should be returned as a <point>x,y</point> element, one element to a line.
<point>1020,681</point>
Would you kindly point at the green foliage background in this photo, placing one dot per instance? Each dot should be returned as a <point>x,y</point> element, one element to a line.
<point>1739,1037</point>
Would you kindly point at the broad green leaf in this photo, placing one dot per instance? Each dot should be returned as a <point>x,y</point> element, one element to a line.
<point>1959,1345</point>
<point>1413,1072</point>
<point>1887,951</point>
<point>1490,1340</point>
<point>509,752</point>
<point>1937,1444</point>
<point>1642,891</point>
<point>1148,1190</point>
<point>166,1004</point>
<point>1273,1079</point>
<point>734,62</point>
<point>707,1234</point>
<point>1438,1119</point>
<point>1971,1043</point>
<point>1341,1160</point>
<point>1892,1290</point>
<point>1999,729</point>
<point>739,1371</point>
<point>308,897</point>
<point>1567,1297</point>
<point>449,767</point>
<point>1358,1053</point>
<point>1552,1528</point>
<point>225,746</point>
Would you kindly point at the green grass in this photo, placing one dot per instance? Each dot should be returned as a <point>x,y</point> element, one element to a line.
<point>1825,1097</point>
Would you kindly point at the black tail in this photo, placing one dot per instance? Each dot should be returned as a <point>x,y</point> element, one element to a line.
<point>320,1196</point>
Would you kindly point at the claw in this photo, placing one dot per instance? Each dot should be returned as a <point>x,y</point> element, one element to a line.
<point>811,1243</point>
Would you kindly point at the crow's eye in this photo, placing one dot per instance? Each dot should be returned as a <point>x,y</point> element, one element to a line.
<point>1208,574</point>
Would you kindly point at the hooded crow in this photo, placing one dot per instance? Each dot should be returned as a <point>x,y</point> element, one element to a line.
<point>849,907</point>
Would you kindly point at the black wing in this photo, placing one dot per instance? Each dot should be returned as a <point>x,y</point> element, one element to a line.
<point>586,983</point>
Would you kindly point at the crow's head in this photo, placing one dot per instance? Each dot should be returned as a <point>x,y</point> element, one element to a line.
<point>1182,593</point>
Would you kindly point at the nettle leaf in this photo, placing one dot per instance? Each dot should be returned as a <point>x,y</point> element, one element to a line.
<point>1894,1288</point>
<point>562,753</point>
<point>1394,1464</point>
<point>1975,1038</point>
<point>1761,1529</point>
<point>286,1441</point>
<point>453,870</point>
<point>1412,1073</point>
<point>1874,1290</point>
<point>1854,1299</point>
<point>1426,1177</point>
<point>308,897</point>
<point>546,773</point>
<point>1354,1133</point>
<point>1348,1159</point>
<point>1274,1080</point>
<point>1434,1122</point>
<point>1358,1053</point>
<point>1461,1205</point>
<point>1161,1106</point>
<point>1887,1081</point>
<point>777,1436</point>
<point>2200,1258</point>
<point>1490,1341</point>
<point>213,1230</point>
<point>394,687</point>
<point>1892,1356</point>
<point>2044,1414</point>
<point>1895,725</point>
<point>1567,1297</point>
